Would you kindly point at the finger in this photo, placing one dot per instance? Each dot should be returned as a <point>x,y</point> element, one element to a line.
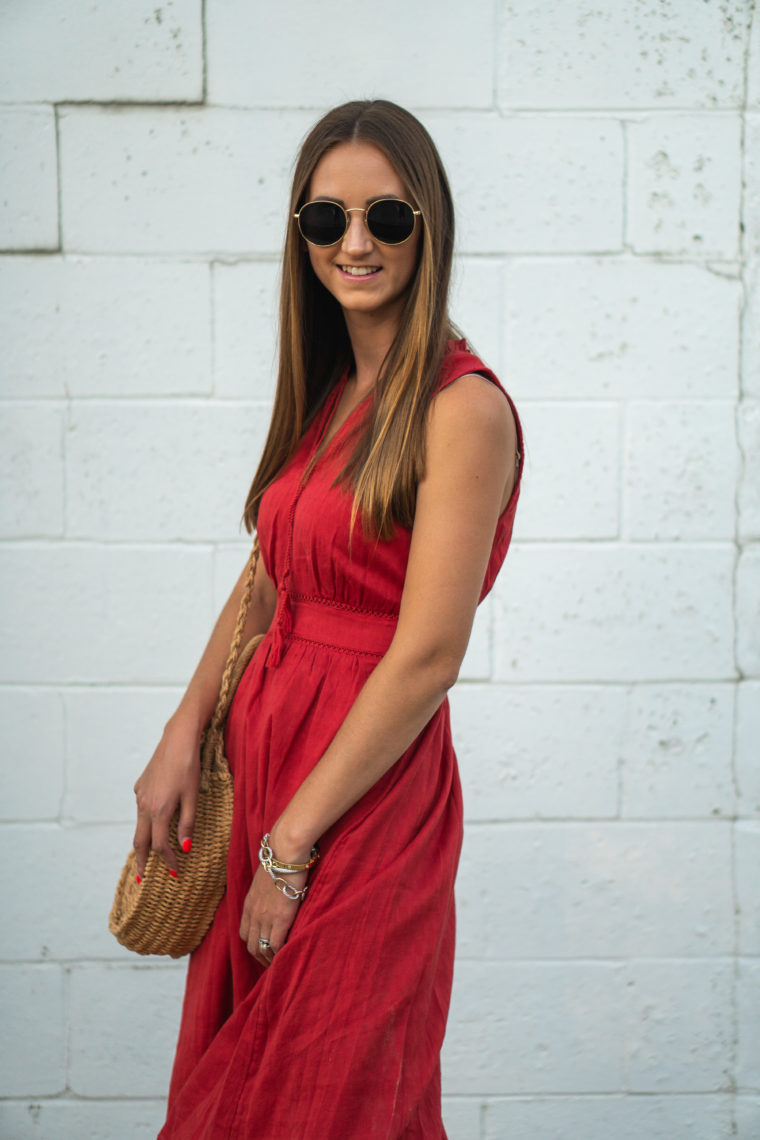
<point>279,935</point>
<point>141,842</point>
<point>161,844</point>
<point>186,822</point>
<point>262,954</point>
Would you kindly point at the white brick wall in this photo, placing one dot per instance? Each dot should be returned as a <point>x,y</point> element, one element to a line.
<point>606,165</point>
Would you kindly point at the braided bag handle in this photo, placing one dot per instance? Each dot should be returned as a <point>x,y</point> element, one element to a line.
<point>213,737</point>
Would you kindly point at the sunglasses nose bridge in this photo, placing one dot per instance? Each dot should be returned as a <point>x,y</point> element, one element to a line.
<point>350,229</point>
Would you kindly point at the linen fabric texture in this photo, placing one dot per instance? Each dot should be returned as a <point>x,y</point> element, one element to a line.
<point>341,1035</point>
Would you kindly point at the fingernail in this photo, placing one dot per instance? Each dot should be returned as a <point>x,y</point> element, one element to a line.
<point>137,877</point>
<point>186,844</point>
<point>173,873</point>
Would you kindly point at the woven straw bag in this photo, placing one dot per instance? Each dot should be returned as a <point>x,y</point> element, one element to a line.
<point>164,915</point>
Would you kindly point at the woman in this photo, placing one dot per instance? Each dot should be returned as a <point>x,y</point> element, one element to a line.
<point>384,503</point>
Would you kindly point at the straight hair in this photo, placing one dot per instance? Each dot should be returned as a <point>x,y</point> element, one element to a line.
<point>388,457</point>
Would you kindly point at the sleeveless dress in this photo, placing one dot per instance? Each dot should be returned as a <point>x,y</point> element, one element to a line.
<point>340,1037</point>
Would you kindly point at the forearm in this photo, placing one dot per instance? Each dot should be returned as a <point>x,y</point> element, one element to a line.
<point>200,697</point>
<point>392,708</point>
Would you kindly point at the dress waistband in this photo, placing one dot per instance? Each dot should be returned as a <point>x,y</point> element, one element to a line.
<point>340,626</point>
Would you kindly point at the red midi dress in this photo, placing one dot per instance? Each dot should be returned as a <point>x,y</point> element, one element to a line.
<point>340,1037</point>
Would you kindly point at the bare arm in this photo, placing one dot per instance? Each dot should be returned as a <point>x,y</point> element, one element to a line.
<point>471,445</point>
<point>172,774</point>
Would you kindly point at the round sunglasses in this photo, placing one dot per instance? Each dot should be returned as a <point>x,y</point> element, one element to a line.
<point>390,221</point>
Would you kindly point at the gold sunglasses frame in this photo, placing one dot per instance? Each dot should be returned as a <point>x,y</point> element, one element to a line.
<point>356,210</point>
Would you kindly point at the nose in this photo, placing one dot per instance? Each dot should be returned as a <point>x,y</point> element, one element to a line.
<point>357,238</point>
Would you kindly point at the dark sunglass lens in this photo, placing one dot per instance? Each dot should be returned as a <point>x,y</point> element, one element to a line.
<point>322,223</point>
<point>390,221</point>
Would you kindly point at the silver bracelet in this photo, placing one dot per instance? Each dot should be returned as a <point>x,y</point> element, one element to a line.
<point>286,888</point>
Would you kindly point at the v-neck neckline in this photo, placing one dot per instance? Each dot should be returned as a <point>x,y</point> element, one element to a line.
<point>323,443</point>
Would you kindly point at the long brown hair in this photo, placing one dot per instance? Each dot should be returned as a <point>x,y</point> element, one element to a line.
<point>388,458</point>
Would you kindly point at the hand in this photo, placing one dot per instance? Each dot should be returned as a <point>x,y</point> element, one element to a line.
<point>268,913</point>
<point>171,777</point>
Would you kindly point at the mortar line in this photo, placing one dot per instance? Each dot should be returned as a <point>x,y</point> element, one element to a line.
<point>502,112</point>
<point>58,190</point>
<point>212,315</point>
<point>204,56</point>
<point>495,45</point>
<point>720,264</point>
<point>740,475</point>
<point>627,246</point>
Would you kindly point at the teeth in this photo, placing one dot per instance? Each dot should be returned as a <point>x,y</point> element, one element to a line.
<point>359,270</point>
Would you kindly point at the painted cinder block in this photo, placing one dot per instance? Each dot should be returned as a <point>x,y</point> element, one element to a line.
<point>592,328</point>
<point>418,51</point>
<point>748,611</point>
<point>230,560</point>
<point>747,1117</point>
<point>159,180</point>
<point>681,465</point>
<point>748,1034</point>
<point>63,885</point>
<point>570,485</point>
<point>61,1119</point>
<point>595,890</point>
<point>549,185</point>
<point>750,327</point>
<point>28,176</point>
<point>538,751</point>
<point>32,1000</point>
<point>747,857</point>
<point>477,304</point>
<point>246,298</point>
<point>104,327</point>
<point>144,1001</point>
<point>476,664</point>
<point>747,746</point>
<point>575,328</point>
<point>461,1117</point>
<point>562,54</point>
<point>679,1025</point>
<point>749,489</point>
<point>751,175</point>
<point>31,470</point>
<point>518,1027</point>
<point>677,748</point>
<point>631,1117</point>
<point>101,51</point>
<point>684,182</point>
<point>619,612</point>
<point>111,735</point>
<point>187,466</point>
<point>145,615</point>
<point>753,67</point>
<point>31,776</point>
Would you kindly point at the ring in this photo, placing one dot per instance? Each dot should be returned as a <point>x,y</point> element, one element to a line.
<point>264,942</point>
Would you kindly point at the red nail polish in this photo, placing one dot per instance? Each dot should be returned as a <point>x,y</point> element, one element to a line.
<point>186,844</point>
<point>139,880</point>
<point>173,873</point>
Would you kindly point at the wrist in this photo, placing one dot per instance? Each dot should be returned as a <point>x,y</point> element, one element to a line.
<point>187,719</point>
<point>289,844</point>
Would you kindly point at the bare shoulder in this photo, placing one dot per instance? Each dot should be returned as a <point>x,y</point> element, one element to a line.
<point>474,403</point>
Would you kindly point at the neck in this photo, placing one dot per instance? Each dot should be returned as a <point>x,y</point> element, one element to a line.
<point>370,341</point>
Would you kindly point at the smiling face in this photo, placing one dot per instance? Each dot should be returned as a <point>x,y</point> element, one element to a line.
<point>367,278</point>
